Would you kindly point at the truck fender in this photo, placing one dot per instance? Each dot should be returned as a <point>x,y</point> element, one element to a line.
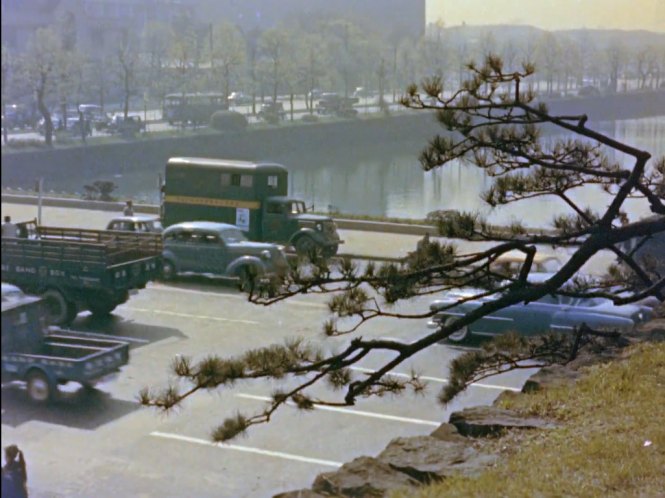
<point>252,261</point>
<point>307,232</point>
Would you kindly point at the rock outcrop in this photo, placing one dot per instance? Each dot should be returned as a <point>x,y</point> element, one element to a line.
<point>487,421</point>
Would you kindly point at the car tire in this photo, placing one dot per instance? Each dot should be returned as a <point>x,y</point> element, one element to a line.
<point>460,336</point>
<point>246,280</point>
<point>60,311</point>
<point>168,270</point>
<point>39,388</point>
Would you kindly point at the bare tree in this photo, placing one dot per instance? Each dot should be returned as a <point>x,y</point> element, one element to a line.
<point>228,54</point>
<point>273,48</point>
<point>127,62</point>
<point>39,67</point>
<point>497,130</point>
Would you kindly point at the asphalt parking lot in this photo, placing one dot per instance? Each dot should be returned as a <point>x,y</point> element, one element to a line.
<point>105,444</point>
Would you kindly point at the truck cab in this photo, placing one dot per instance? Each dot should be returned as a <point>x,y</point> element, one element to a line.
<point>287,221</point>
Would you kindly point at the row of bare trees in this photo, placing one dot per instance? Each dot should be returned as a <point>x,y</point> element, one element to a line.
<point>334,55</point>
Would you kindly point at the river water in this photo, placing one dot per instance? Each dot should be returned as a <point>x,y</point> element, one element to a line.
<point>386,180</point>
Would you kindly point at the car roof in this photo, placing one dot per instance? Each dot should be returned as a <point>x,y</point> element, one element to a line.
<point>201,225</point>
<point>136,218</point>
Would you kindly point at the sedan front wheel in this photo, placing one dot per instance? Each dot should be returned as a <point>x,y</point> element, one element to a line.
<point>459,336</point>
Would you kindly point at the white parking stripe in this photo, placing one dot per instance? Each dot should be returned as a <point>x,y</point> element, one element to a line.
<point>438,379</point>
<point>179,290</point>
<point>246,449</point>
<point>350,412</point>
<point>187,315</point>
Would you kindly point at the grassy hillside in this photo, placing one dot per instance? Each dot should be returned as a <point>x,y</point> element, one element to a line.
<point>611,442</point>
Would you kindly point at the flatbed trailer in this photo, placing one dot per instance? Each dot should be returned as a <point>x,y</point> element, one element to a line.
<point>76,269</point>
<point>44,358</point>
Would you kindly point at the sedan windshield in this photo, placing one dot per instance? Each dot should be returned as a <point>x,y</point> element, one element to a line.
<point>233,236</point>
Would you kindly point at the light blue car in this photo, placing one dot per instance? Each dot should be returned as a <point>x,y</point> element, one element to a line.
<point>551,313</point>
<point>219,249</point>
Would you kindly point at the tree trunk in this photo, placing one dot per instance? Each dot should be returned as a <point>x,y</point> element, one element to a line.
<point>48,124</point>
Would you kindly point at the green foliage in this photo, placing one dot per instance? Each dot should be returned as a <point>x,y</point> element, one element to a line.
<point>231,121</point>
<point>100,190</point>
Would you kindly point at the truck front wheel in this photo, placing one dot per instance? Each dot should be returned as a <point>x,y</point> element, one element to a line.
<point>330,251</point>
<point>60,311</point>
<point>40,390</point>
<point>306,247</point>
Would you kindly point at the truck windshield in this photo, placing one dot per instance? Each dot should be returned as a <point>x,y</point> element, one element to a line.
<point>233,236</point>
<point>298,207</point>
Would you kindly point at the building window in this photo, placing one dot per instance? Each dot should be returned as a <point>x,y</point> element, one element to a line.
<point>272,181</point>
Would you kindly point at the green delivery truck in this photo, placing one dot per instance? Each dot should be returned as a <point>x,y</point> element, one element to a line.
<point>251,195</point>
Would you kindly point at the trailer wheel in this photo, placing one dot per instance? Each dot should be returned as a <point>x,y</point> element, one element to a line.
<point>40,390</point>
<point>60,311</point>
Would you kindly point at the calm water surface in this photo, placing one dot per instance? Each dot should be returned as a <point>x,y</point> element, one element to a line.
<point>386,180</point>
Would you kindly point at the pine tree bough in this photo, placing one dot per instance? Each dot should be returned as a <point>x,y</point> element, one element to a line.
<point>495,125</point>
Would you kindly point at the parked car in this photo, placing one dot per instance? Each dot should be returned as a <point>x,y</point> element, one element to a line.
<point>94,115</point>
<point>136,223</point>
<point>18,116</point>
<point>239,98</point>
<point>272,111</point>
<point>74,127</point>
<point>220,249</point>
<point>551,313</point>
<point>133,124</point>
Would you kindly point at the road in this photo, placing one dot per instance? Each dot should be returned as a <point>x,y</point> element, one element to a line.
<point>105,444</point>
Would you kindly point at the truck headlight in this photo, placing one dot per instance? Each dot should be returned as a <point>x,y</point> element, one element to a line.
<point>265,254</point>
<point>319,226</point>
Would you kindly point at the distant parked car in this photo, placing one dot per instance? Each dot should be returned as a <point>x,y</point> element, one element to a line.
<point>551,313</point>
<point>133,124</point>
<point>18,116</point>
<point>94,114</point>
<point>239,98</point>
<point>220,249</point>
<point>588,91</point>
<point>136,223</point>
<point>74,127</point>
<point>272,112</point>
